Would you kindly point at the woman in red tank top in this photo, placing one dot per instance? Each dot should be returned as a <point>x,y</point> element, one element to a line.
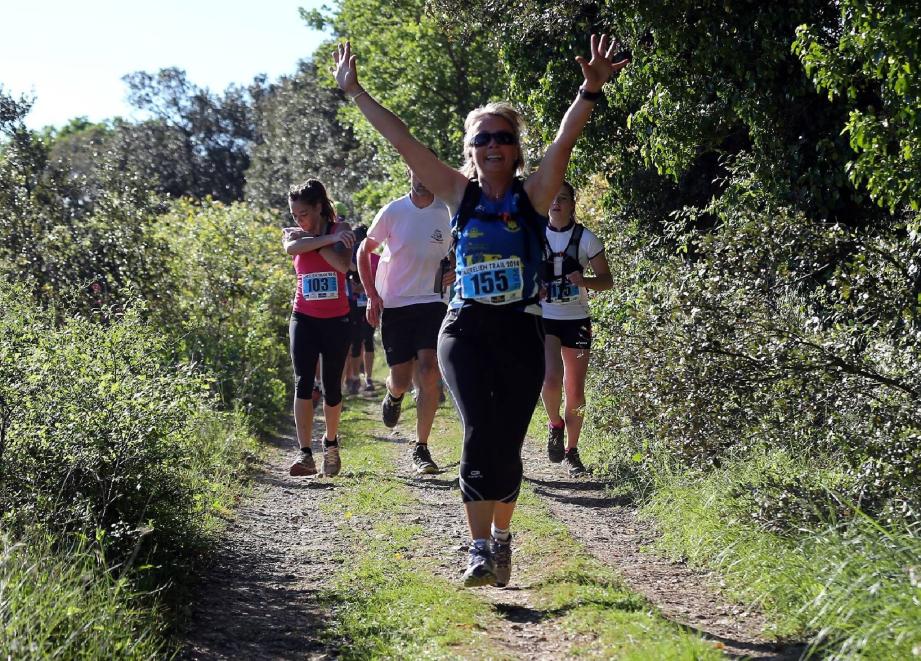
<point>322,252</point>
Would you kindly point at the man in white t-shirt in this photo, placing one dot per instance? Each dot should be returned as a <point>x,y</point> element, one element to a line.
<point>407,298</point>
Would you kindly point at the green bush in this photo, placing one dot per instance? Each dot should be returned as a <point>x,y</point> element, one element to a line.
<point>105,436</point>
<point>230,300</point>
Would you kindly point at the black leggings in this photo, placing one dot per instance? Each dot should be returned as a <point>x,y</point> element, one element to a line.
<point>310,338</point>
<point>492,360</point>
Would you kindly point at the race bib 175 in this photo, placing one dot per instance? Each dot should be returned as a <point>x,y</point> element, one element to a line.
<point>563,292</point>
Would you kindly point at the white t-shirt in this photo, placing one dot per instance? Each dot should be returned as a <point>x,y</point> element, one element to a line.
<point>415,241</point>
<point>569,301</point>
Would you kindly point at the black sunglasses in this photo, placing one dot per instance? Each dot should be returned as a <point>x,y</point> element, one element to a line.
<point>501,138</point>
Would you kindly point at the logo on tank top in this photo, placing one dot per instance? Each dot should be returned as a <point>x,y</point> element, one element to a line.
<point>437,236</point>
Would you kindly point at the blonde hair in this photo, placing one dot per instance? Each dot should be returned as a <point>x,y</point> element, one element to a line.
<point>500,109</point>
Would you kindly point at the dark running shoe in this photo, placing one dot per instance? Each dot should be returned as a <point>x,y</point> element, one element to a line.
<point>480,568</point>
<point>572,462</point>
<point>332,463</point>
<point>422,460</point>
<point>390,410</point>
<point>555,448</point>
<point>502,560</point>
<point>303,465</point>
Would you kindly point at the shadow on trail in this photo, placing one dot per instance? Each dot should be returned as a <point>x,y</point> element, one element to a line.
<point>565,491</point>
<point>267,616</point>
<point>775,651</point>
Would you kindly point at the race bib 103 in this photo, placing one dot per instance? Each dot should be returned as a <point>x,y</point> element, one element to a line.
<point>319,286</point>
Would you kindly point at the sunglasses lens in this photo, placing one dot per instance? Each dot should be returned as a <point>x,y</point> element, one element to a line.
<point>501,138</point>
<point>481,139</point>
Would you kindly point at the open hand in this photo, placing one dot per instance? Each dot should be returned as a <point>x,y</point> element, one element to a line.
<point>599,69</point>
<point>344,69</point>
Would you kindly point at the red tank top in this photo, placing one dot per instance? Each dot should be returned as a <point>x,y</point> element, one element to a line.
<point>321,289</point>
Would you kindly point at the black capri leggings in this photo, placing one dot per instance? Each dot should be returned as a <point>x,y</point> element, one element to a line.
<point>362,332</point>
<point>492,360</point>
<point>310,338</point>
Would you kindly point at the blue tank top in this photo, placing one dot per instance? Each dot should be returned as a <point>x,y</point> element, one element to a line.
<point>498,258</point>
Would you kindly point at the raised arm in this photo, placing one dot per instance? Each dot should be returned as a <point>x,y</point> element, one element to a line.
<point>444,181</point>
<point>542,185</point>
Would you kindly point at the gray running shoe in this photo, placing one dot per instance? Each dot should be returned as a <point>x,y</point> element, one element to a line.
<point>422,460</point>
<point>574,463</point>
<point>390,410</point>
<point>369,386</point>
<point>555,448</point>
<point>303,465</point>
<point>332,464</point>
<point>480,569</point>
<point>502,558</point>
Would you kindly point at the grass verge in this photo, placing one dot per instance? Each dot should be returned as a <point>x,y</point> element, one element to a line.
<point>854,586</point>
<point>67,605</point>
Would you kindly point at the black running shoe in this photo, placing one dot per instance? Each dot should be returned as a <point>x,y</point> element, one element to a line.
<point>574,463</point>
<point>390,410</point>
<point>480,568</point>
<point>502,560</point>
<point>555,448</point>
<point>422,460</point>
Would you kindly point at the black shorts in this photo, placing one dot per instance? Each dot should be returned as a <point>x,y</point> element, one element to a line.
<point>362,332</point>
<point>409,329</point>
<point>573,333</point>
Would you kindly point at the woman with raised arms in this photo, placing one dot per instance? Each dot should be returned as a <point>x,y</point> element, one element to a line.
<point>491,345</point>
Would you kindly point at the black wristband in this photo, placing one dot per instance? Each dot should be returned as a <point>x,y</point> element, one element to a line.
<point>590,96</point>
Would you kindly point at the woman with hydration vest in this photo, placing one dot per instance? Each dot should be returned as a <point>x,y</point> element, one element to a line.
<point>490,348</point>
<point>567,324</point>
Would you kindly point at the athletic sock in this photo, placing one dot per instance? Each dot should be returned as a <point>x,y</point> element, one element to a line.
<point>500,534</point>
<point>307,450</point>
<point>331,444</point>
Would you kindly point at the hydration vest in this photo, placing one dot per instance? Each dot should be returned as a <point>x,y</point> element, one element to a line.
<point>570,260</point>
<point>531,222</point>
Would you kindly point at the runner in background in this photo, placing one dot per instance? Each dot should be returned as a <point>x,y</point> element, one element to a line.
<point>567,324</point>
<point>407,298</point>
<point>321,250</point>
<point>361,358</point>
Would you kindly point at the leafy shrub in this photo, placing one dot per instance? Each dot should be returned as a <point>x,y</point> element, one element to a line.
<point>230,301</point>
<point>103,433</point>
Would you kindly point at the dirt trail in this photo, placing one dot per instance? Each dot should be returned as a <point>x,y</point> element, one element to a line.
<point>261,600</point>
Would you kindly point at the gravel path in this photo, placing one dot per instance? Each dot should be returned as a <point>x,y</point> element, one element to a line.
<point>260,598</point>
